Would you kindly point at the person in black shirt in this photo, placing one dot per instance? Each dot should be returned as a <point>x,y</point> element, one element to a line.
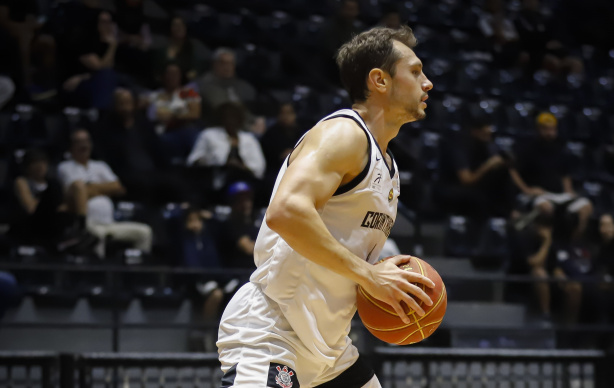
<point>532,253</point>
<point>474,176</point>
<point>605,261</point>
<point>239,230</point>
<point>134,152</point>
<point>543,176</point>
<point>93,78</point>
<point>278,141</point>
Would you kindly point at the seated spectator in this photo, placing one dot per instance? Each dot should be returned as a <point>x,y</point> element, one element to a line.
<point>41,215</point>
<point>235,151</point>
<point>189,54</point>
<point>532,253</point>
<point>45,83</point>
<point>390,18</point>
<point>8,291</point>
<point>199,251</point>
<point>537,39</point>
<point>542,175</point>
<point>475,177</point>
<point>134,38</point>
<point>222,85</point>
<point>605,262</point>
<point>605,252</point>
<point>95,182</point>
<point>280,138</point>
<point>134,152</point>
<point>175,109</point>
<point>575,264</point>
<point>338,29</point>
<point>93,78</point>
<point>501,32</point>
<point>239,231</point>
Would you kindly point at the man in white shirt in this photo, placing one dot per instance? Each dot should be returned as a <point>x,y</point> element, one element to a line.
<point>94,181</point>
<point>229,146</point>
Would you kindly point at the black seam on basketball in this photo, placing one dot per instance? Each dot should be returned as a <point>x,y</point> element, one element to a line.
<point>443,293</point>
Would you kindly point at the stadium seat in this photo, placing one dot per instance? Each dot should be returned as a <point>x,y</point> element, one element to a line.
<point>492,250</point>
<point>600,196</point>
<point>519,119</point>
<point>461,237</point>
<point>579,162</point>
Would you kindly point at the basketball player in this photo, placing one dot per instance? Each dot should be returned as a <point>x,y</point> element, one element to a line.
<point>334,203</point>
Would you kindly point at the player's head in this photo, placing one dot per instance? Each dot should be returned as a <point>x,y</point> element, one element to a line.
<point>380,64</point>
<point>547,126</point>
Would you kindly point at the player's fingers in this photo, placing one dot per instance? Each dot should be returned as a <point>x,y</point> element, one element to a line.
<point>412,304</point>
<point>400,259</point>
<point>400,312</point>
<point>415,277</point>
<point>418,292</point>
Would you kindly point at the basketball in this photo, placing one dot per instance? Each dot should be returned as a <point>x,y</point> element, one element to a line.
<point>384,323</point>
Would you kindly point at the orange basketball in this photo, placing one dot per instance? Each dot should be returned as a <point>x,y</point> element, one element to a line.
<point>384,323</point>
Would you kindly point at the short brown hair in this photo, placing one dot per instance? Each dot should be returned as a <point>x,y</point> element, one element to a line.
<point>369,50</point>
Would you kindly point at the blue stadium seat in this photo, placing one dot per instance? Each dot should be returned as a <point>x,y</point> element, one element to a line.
<point>474,78</point>
<point>492,250</point>
<point>429,151</point>
<point>600,195</point>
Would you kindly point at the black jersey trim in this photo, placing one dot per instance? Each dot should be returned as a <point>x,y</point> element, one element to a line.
<point>356,376</point>
<point>390,167</point>
<point>360,177</point>
<point>228,380</point>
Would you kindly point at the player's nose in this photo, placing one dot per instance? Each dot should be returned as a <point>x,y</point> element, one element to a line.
<point>427,85</point>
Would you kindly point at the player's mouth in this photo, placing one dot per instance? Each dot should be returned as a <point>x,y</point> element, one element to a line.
<point>424,98</point>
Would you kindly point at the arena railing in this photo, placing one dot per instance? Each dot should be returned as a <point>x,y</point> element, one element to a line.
<point>456,367</point>
<point>396,367</point>
<point>29,369</point>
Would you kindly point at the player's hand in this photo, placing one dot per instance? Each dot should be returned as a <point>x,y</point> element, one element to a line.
<point>393,285</point>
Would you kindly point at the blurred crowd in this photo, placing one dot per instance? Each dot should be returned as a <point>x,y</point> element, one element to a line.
<point>155,129</point>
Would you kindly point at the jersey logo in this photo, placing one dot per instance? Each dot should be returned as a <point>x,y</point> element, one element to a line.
<point>390,195</point>
<point>284,377</point>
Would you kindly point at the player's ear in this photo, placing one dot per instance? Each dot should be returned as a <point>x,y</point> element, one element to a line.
<point>378,80</point>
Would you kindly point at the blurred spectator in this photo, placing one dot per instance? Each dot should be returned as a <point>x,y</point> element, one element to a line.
<point>7,90</point>
<point>189,54</point>
<point>45,82</point>
<point>575,264</point>
<point>605,263</point>
<point>133,150</point>
<point>134,38</point>
<point>281,138</point>
<point>603,157</point>
<point>605,251</point>
<point>93,78</point>
<point>475,177</point>
<point>95,181</point>
<point>175,110</point>
<point>543,177</point>
<point>42,216</point>
<point>20,19</point>
<point>199,249</point>
<point>221,84</point>
<point>500,30</point>
<point>8,291</point>
<point>341,27</point>
<point>237,151</point>
<point>239,231</point>
<point>532,253</point>
<point>390,18</point>
<point>537,40</point>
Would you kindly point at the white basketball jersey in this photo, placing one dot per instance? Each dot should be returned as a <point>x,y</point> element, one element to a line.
<point>318,303</point>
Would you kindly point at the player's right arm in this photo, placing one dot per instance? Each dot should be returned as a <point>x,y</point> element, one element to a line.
<point>332,154</point>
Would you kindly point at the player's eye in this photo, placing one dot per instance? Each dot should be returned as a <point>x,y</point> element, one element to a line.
<point>416,72</point>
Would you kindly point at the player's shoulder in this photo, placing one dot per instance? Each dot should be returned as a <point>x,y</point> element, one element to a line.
<point>340,131</point>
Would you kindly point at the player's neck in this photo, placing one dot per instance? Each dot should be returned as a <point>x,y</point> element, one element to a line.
<point>382,127</point>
